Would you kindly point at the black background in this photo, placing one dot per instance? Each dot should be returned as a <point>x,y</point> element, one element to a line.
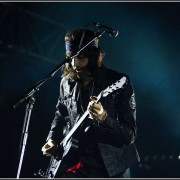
<point>147,49</point>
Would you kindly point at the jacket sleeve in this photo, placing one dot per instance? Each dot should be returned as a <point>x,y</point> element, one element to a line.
<point>123,126</point>
<point>58,124</point>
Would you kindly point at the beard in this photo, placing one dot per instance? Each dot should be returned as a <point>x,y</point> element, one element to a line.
<point>84,76</point>
<point>81,73</point>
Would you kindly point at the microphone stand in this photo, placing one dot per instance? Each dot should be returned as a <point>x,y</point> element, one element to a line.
<point>30,100</point>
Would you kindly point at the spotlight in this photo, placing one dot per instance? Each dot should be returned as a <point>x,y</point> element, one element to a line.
<point>154,157</point>
<point>163,157</point>
<point>146,158</point>
<point>171,157</point>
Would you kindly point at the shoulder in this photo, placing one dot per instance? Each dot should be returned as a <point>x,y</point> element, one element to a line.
<point>106,77</point>
<point>66,80</point>
<point>122,79</point>
<point>114,75</point>
<point>65,83</point>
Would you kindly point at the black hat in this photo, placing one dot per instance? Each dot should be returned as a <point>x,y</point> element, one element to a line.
<point>75,39</point>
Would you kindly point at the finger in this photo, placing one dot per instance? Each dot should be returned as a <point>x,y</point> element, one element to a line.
<point>94,110</point>
<point>91,103</point>
<point>46,154</point>
<point>44,148</point>
<point>49,152</point>
<point>96,106</point>
<point>93,113</point>
<point>100,111</point>
<point>93,98</point>
<point>51,144</point>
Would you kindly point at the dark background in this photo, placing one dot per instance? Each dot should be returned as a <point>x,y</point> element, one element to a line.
<point>147,49</point>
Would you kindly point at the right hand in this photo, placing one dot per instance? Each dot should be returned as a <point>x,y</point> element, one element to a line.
<point>50,148</point>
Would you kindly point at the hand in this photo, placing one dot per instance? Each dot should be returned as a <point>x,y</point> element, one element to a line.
<point>50,148</point>
<point>96,110</point>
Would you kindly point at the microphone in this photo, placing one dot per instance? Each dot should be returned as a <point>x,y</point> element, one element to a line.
<point>112,32</point>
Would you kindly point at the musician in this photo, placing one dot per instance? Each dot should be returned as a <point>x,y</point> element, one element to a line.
<point>106,137</point>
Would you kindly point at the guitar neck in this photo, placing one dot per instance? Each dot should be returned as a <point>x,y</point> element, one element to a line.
<point>71,132</point>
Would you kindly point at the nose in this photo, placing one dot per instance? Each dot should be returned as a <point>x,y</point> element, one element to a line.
<point>80,62</point>
<point>77,62</point>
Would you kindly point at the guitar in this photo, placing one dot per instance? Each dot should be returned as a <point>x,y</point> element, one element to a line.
<point>68,142</point>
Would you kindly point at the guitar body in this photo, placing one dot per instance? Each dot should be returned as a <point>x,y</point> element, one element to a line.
<point>58,162</point>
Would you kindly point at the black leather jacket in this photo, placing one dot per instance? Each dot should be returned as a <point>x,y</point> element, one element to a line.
<point>116,136</point>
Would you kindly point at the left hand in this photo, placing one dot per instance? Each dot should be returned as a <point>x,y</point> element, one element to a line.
<point>96,110</point>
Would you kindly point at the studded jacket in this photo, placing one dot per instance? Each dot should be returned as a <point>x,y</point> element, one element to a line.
<point>116,135</point>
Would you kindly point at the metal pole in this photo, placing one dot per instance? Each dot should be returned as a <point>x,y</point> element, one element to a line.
<point>24,136</point>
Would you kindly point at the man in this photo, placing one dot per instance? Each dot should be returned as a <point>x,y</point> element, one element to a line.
<point>106,137</point>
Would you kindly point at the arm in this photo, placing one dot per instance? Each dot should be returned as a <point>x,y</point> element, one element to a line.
<point>56,132</point>
<point>58,124</point>
<point>122,122</point>
<point>124,125</point>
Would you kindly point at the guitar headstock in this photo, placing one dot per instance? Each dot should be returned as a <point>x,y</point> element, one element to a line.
<point>117,85</point>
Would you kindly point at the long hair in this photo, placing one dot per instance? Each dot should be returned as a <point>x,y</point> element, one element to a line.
<point>97,56</point>
<point>94,53</point>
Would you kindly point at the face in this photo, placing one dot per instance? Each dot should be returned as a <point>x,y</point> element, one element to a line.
<point>79,64</point>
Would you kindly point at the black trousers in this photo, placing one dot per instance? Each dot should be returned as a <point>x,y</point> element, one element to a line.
<point>85,172</point>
